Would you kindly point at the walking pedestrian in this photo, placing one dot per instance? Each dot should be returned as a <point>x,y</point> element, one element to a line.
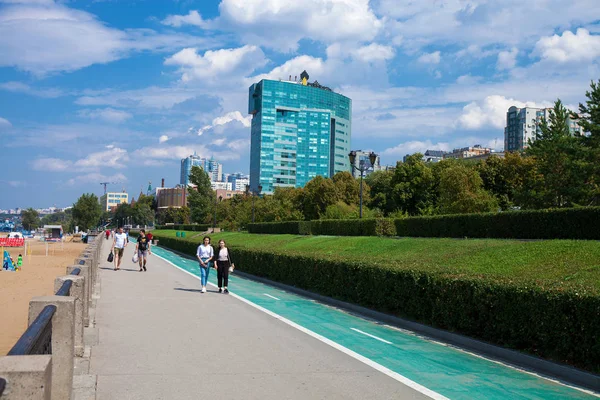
<point>205,254</point>
<point>118,247</point>
<point>142,249</point>
<point>223,262</point>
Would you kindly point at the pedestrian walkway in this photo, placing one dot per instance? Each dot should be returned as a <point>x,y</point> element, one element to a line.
<point>160,338</point>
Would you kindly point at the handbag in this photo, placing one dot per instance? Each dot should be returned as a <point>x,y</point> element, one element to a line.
<point>110,257</point>
<point>231,268</point>
<point>135,257</point>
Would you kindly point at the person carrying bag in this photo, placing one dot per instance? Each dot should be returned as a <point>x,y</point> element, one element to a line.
<point>224,266</point>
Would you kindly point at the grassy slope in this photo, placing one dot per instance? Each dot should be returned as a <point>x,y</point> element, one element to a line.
<point>567,264</point>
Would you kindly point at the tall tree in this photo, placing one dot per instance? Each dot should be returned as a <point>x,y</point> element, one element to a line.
<point>30,219</point>
<point>559,160</point>
<point>201,199</point>
<point>461,191</point>
<point>589,120</point>
<point>413,186</point>
<point>381,198</point>
<point>86,211</point>
<point>319,193</point>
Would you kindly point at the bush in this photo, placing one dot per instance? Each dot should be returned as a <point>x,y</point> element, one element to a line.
<point>567,323</point>
<point>572,223</point>
<point>186,227</point>
<point>287,227</point>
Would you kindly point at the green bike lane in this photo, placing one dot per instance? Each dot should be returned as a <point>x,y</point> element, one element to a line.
<point>446,371</point>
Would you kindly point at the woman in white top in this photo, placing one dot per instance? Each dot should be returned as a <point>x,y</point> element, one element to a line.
<point>205,254</point>
<point>223,261</point>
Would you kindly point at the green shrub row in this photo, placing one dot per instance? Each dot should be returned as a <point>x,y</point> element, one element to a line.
<point>186,227</point>
<point>562,326</point>
<point>572,223</point>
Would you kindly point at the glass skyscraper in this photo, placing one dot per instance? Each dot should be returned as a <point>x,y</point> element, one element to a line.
<point>299,130</point>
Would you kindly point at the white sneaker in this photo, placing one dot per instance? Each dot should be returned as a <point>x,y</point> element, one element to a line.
<point>203,290</point>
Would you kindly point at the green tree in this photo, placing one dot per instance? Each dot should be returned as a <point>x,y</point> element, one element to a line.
<point>381,191</point>
<point>318,194</point>
<point>559,160</point>
<point>30,219</point>
<point>87,211</point>
<point>461,191</point>
<point>348,188</point>
<point>589,120</point>
<point>174,215</point>
<point>413,186</point>
<point>201,199</point>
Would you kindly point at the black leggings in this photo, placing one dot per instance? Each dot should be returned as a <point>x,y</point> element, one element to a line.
<point>222,273</point>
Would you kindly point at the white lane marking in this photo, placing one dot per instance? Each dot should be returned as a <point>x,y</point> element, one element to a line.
<point>273,297</point>
<point>373,336</point>
<point>392,374</point>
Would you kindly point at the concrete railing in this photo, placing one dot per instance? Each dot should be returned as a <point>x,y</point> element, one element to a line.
<point>40,365</point>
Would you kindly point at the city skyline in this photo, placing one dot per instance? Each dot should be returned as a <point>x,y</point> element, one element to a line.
<point>120,92</point>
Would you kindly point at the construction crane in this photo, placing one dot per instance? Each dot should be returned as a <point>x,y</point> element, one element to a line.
<point>108,183</point>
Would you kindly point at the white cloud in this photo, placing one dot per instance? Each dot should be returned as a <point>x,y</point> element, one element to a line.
<point>193,18</point>
<point>95,177</point>
<point>430,58</point>
<point>163,138</point>
<point>217,63</point>
<point>507,59</point>
<point>224,120</point>
<point>107,114</point>
<point>569,47</point>
<point>288,22</point>
<point>293,67</point>
<point>492,111</point>
<point>49,37</point>
<point>374,52</point>
<point>50,164</point>
<point>111,158</point>
<point>170,152</point>
<point>19,87</point>
<point>4,123</point>
<point>468,79</point>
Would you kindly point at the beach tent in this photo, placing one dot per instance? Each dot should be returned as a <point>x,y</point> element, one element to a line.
<point>7,262</point>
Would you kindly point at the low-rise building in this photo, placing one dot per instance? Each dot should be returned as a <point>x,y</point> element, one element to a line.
<point>171,197</point>
<point>468,152</point>
<point>111,200</point>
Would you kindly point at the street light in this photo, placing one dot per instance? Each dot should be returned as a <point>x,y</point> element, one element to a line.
<point>362,168</point>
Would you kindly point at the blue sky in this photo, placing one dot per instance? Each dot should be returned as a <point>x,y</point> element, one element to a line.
<point>120,91</point>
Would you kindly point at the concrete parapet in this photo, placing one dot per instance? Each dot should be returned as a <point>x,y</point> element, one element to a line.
<point>63,341</point>
<point>27,377</point>
<point>77,292</point>
<point>93,274</point>
<point>87,290</point>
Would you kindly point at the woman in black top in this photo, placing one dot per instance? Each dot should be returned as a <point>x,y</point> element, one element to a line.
<point>222,264</point>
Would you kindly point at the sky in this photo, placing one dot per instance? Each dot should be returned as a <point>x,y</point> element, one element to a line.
<point>120,91</point>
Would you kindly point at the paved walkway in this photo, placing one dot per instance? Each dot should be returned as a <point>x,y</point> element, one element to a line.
<point>160,338</point>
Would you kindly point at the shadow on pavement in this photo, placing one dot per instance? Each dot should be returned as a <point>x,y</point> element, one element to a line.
<point>194,290</point>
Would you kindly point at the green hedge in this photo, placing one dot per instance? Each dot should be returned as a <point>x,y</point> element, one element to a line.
<point>563,326</point>
<point>186,227</point>
<point>572,223</point>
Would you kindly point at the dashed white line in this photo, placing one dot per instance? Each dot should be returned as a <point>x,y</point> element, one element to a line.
<point>373,336</point>
<point>273,297</point>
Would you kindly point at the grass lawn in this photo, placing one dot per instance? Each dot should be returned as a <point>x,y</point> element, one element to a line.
<point>560,264</point>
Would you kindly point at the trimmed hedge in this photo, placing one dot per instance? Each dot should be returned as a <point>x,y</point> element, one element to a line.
<point>563,326</point>
<point>186,227</point>
<point>571,223</point>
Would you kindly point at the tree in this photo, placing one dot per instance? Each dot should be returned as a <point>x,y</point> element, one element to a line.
<point>348,188</point>
<point>30,219</point>
<point>318,194</point>
<point>381,196</point>
<point>559,160</point>
<point>86,211</point>
<point>174,215</point>
<point>413,186</point>
<point>201,200</point>
<point>588,119</point>
<point>461,191</point>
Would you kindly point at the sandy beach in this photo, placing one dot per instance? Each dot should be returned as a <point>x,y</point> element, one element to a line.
<point>36,278</point>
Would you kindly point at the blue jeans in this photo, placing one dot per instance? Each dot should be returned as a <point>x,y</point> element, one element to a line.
<point>204,271</point>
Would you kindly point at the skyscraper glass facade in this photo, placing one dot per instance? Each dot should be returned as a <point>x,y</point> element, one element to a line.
<point>297,132</point>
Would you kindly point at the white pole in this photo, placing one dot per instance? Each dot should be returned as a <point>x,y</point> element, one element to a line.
<point>46,249</point>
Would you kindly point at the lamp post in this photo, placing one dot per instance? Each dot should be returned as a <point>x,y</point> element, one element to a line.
<point>362,168</point>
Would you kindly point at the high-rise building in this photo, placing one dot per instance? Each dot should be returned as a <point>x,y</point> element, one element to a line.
<point>186,167</point>
<point>522,125</point>
<point>213,168</point>
<point>361,161</point>
<point>299,130</point>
